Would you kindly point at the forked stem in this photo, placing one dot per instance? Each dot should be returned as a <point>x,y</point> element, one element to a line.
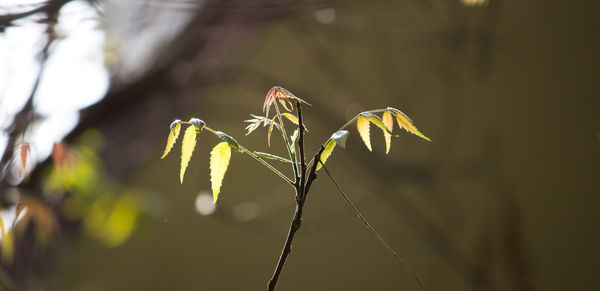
<point>254,156</point>
<point>302,186</point>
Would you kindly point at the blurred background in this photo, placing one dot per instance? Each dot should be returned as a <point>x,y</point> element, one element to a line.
<point>505,197</point>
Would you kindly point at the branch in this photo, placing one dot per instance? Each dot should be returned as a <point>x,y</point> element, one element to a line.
<point>372,230</point>
<point>27,114</point>
<point>48,8</point>
<point>301,148</point>
<point>301,190</point>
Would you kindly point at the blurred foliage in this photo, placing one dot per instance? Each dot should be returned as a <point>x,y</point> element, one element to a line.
<point>109,211</point>
<point>76,189</point>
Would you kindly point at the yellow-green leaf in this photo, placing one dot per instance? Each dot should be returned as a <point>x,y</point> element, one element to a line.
<point>375,120</point>
<point>362,124</point>
<point>187,148</point>
<point>388,120</point>
<point>219,160</point>
<point>326,153</point>
<point>406,123</point>
<point>7,246</point>
<point>340,137</point>
<point>291,117</point>
<point>173,134</point>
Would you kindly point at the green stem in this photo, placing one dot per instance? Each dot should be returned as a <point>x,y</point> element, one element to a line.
<point>254,156</point>
<point>287,142</point>
<point>273,169</point>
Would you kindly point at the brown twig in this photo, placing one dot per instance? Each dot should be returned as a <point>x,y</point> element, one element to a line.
<point>302,186</point>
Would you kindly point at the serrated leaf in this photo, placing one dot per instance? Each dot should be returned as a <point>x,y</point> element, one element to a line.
<point>388,120</point>
<point>219,160</point>
<point>406,123</point>
<point>173,134</point>
<point>375,120</point>
<point>187,148</point>
<point>230,140</point>
<point>272,157</point>
<point>326,153</point>
<point>340,137</point>
<point>362,124</point>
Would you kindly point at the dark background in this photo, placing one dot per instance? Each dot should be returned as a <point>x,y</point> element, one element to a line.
<point>505,197</point>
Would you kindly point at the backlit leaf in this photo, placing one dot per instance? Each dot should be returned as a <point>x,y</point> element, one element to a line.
<point>375,120</point>
<point>25,148</point>
<point>173,134</point>
<point>230,140</point>
<point>388,120</point>
<point>362,124</point>
<point>291,117</point>
<point>340,137</point>
<point>198,123</point>
<point>293,139</point>
<point>187,148</point>
<point>279,93</point>
<point>406,123</point>
<point>326,153</point>
<point>219,160</point>
<point>7,246</point>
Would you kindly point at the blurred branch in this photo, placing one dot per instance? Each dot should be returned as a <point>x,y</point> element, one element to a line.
<point>26,115</point>
<point>49,8</point>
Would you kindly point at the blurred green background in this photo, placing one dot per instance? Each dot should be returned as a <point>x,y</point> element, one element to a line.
<point>505,197</point>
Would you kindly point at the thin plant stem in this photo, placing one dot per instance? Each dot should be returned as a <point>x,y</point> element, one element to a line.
<point>372,230</point>
<point>254,156</point>
<point>287,142</point>
<point>302,186</point>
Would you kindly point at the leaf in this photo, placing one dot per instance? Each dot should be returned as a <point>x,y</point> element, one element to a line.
<point>219,160</point>
<point>25,148</point>
<point>375,120</point>
<point>230,140</point>
<point>198,123</point>
<point>362,124</point>
<point>187,147</point>
<point>173,134</point>
<point>294,136</point>
<point>388,120</point>
<point>7,246</point>
<point>283,103</point>
<point>272,157</point>
<point>340,137</point>
<point>326,153</point>
<point>405,122</point>
<point>279,93</point>
<point>291,117</point>
<point>293,139</point>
